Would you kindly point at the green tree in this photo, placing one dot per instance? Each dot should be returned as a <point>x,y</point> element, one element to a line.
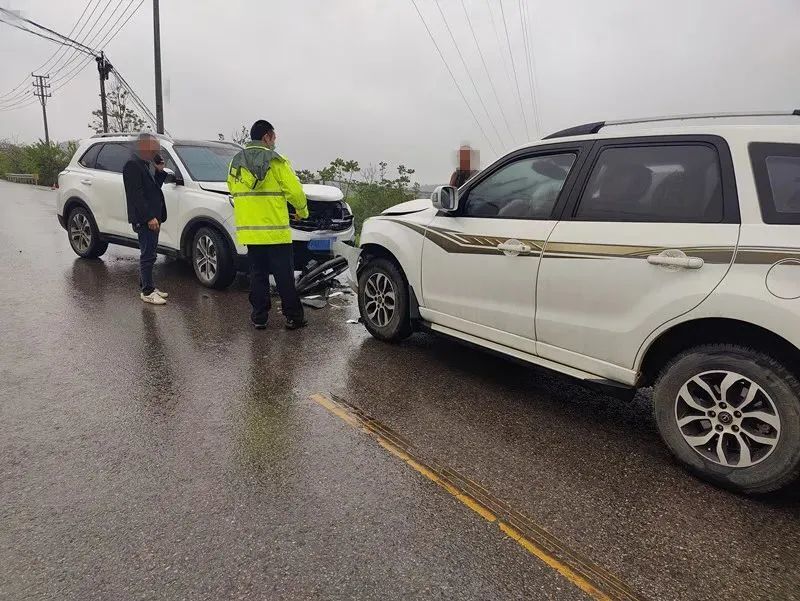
<point>121,116</point>
<point>305,176</point>
<point>242,136</point>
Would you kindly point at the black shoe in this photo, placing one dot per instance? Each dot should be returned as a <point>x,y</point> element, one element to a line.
<point>259,325</point>
<point>296,324</point>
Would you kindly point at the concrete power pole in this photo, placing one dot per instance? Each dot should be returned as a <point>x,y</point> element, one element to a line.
<point>103,68</point>
<point>157,56</point>
<point>42,91</point>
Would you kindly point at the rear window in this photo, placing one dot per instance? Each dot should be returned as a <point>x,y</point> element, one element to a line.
<point>669,183</point>
<point>112,157</point>
<point>776,168</point>
<point>89,157</point>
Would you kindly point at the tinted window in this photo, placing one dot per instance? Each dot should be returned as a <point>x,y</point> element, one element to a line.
<point>113,157</point>
<point>207,163</point>
<point>525,189</point>
<point>88,158</point>
<point>777,171</point>
<point>668,183</point>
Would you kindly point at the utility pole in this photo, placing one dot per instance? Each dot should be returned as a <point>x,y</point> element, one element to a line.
<point>42,91</point>
<point>103,68</point>
<point>157,56</point>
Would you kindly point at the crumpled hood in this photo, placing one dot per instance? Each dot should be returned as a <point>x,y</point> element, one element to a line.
<point>412,206</point>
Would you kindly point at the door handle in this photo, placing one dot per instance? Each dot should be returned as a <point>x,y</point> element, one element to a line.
<point>675,259</point>
<point>86,182</point>
<point>512,248</point>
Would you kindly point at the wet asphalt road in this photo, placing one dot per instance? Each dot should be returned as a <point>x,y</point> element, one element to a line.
<point>174,453</point>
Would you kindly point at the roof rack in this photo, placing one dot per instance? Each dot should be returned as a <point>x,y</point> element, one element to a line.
<point>123,134</point>
<point>593,128</point>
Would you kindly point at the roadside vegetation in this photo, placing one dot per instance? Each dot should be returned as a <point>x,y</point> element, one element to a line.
<point>42,159</point>
<point>368,190</point>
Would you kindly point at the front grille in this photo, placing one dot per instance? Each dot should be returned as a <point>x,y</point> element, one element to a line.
<point>323,215</point>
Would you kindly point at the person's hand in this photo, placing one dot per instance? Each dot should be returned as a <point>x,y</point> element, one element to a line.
<point>159,163</point>
<point>153,224</point>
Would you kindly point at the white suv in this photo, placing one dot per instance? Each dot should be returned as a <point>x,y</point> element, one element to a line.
<point>625,256</point>
<point>91,207</point>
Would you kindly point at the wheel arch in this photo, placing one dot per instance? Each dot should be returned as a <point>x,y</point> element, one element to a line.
<point>372,250</point>
<point>712,330</point>
<point>194,224</point>
<point>72,203</point>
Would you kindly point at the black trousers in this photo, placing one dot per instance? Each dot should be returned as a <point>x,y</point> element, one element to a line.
<point>148,244</point>
<point>278,260</point>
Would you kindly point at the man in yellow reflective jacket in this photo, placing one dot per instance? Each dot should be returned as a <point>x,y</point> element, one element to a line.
<point>262,182</point>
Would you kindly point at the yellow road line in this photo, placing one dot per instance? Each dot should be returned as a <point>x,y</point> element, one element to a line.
<point>586,575</point>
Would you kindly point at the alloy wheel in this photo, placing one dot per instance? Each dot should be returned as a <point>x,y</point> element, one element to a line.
<point>205,258</point>
<point>80,232</point>
<point>727,418</point>
<point>380,299</point>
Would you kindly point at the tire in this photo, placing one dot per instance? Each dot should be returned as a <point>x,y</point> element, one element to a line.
<point>212,259</point>
<point>380,281</point>
<point>768,395</point>
<point>83,235</point>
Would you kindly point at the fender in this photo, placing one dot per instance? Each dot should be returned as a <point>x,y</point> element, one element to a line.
<point>204,220</point>
<point>403,236</point>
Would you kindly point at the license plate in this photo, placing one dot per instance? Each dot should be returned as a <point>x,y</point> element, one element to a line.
<point>320,244</point>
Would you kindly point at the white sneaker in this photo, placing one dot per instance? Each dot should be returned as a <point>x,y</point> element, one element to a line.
<point>160,293</point>
<point>153,298</point>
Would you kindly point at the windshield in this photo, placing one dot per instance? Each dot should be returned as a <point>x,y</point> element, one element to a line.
<point>207,163</point>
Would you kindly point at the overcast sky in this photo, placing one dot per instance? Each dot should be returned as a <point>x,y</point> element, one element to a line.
<point>361,79</point>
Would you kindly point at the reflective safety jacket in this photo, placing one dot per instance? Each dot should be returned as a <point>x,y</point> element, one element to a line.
<point>261,182</point>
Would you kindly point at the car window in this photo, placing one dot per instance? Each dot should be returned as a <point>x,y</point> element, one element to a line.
<point>666,183</point>
<point>207,163</point>
<point>525,189</point>
<point>112,157</point>
<point>169,162</point>
<point>777,171</point>
<point>89,157</point>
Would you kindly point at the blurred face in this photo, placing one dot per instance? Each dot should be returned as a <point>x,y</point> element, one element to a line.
<point>148,148</point>
<point>468,159</point>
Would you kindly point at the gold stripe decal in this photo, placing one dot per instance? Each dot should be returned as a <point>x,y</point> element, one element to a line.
<point>463,243</point>
<point>588,576</point>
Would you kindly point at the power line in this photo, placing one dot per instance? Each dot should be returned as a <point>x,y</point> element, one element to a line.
<point>469,74</point>
<point>488,73</point>
<point>47,29</point>
<point>455,81</point>
<point>41,35</point>
<point>41,67</point>
<point>514,66</point>
<point>523,16</point>
<point>62,81</point>
<point>74,58</point>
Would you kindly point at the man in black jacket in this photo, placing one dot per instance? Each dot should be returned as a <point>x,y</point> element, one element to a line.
<point>143,175</point>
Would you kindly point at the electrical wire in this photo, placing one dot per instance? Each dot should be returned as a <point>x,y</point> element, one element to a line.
<point>65,79</point>
<point>524,23</point>
<point>455,81</point>
<point>488,72</point>
<point>514,66</point>
<point>469,74</point>
<point>74,57</point>
<point>47,29</point>
<point>50,58</point>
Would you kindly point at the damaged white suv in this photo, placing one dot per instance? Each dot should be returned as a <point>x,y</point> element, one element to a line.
<point>199,227</point>
<point>628,256</point>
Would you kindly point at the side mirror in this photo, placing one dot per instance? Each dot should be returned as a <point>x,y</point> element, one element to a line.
<point>172,178</point>
<point>445,198</point>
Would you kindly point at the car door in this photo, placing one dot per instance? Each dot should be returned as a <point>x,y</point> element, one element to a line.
<point>109,190</point>
<point>479,265</point>
<point>169,235</point>
<point>649,232</point>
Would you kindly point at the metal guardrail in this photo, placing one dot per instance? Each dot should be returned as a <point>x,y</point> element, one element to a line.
<point>23,178</point>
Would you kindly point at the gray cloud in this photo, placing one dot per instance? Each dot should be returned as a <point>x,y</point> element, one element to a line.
<point>361,79</point>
